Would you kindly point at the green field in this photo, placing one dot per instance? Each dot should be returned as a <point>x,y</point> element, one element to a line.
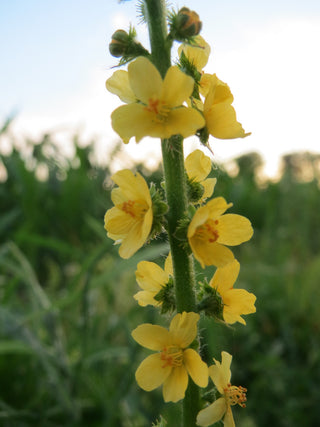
<point>66,353</point>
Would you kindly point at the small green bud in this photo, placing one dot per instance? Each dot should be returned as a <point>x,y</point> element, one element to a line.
<point>184,24</point>
<point>211,303</point>
<point>188,23</point>
<point>119,43</point>
<point>195,191</point>
<point>166,296</point>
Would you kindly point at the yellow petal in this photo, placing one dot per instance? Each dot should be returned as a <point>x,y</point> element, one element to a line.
<point>154,337</point>
<point>228,420</point>
<point>145,298</point>
<point>220,372</point>
<point>168,267</point>
<point>118,84</point>
<point>199,218</point>
<point>184,121</point>
<point>117,223</point>
<point>217,207</point>
<point>183,328</point>
<point>205,84</point>
<point>210,253</point>
<point>151,373</point>
<point>177,87</point>
<point>208,186</point>
<point>175,385</point>
<point>199,54</point>
<point>219,92</point>
<point>222,123</point>
<point>150,276</point>
<point>234,229</point>
<point>237,302</point>
<point>198,165</point>
<point>133,120</point>
<point>197,369</point>
<point>137,236</point>
<point>212,413</point>
<point>145,80</point>
<point>134,187</point>
<point>225,277</point>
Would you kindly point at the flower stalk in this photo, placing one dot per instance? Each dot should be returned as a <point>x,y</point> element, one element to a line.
<point>176,192</point>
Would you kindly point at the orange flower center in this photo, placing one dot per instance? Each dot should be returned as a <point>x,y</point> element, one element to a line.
<point>208,231</point>
<point>235,395</point>
<point>134,208</point>
<point>159,109</point>
<point>172,356</point>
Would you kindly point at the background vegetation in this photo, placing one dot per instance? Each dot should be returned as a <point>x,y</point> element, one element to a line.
<point>66,354</point>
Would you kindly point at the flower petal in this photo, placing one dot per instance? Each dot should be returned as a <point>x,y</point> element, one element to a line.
<point>228,420</point>
<point>118,84</point>
<point>197,369</point>
<point>217,207</point>
<point>212,413</point>
<point>234,229</point>
<point>151,373</point>
<point>137,236</point>
<point>154,337</point>
<point>199,54</point>
<point>237,302</point>
<point>183,328</point>
<point>222,123</point>
<point>225,277</point>
<point>145,298</point>
<point>133,186</point>
<point>175,385</point>
<point>198,165</point>
<point>220,372</point>
<point>208,253</point>
<point>168,267</point>
<point>184,121</point>
<point>145,80</point>
<point>208,186</point>
<point>177,87</point>
<point>150,276</point>
<point>132,120</point>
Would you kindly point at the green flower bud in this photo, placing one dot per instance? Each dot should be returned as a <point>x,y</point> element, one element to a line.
<point>119,43</point>
<point>186,24</point>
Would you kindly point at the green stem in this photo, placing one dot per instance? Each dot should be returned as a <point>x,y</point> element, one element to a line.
<point>175,182</point>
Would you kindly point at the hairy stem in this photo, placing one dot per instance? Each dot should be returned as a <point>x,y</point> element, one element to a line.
<point>175,183</point>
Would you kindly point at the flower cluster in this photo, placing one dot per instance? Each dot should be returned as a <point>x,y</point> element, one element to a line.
<point>185,102</point>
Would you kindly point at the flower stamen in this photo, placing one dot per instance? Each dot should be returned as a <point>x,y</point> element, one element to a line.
<point>172,356</point>
<point>235,395</point>
<point>207,231</point>
<point>134,208</point>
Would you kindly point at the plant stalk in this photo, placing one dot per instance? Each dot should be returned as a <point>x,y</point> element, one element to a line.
<point>176,192</point>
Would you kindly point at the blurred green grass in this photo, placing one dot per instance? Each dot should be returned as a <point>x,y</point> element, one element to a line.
<point>66,353</point>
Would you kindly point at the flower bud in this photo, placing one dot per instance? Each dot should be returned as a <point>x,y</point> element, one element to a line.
<point>119,43</point>
<point>188,23</point>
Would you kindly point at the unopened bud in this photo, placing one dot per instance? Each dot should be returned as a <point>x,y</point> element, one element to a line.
<point>119,43</point>
<point>188,23</point>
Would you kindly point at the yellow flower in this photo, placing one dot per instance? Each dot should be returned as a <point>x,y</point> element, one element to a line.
<point>129,222</point>
<point>231,395</point>
<point>198,167</point>
<point>151,278</point>
<point>209,230</point>
<point>235,301</point>
<point>173,361</point>
<point>198,55</point>
<point>220,115</point>
<point>158,111</point>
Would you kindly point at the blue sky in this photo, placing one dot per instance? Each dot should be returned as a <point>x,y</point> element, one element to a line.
<point>54,62</point>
